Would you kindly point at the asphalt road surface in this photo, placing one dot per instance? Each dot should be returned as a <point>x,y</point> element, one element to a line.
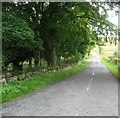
<point>92,92</point>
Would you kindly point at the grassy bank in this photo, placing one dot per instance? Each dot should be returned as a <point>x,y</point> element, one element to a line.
<point>107,51</point>
<point>17,89</point>
<point>112,67</point>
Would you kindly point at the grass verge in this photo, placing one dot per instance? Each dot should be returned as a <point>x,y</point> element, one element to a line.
<point>106,52</point>
<point>112,67</point>
<point>17,89</point>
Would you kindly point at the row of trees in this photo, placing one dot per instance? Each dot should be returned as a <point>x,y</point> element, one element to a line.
<point>49,31</point>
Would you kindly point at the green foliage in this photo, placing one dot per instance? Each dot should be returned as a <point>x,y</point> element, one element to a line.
<point>17,38</point>
<point>49,31</point>
<point>31,69</point>
<point>16,32</point>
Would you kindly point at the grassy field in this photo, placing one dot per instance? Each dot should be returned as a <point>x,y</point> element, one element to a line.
<point>106,52</point>
<point>17,89</point>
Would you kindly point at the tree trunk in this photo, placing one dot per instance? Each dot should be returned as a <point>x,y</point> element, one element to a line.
<point>89,53</point>
<point>30,62</point>
<point>52,57</point>
<point>37,57</point>
<point>106,39</point>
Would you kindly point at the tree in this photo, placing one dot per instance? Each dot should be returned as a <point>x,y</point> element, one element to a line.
<point>17,40</point>
<point>62,29</point>
<point>31,13</point>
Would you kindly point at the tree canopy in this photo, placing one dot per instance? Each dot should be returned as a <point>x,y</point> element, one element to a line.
<point>51,30</point>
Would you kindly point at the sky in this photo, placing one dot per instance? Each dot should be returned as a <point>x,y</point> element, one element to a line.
<point>112,17</point>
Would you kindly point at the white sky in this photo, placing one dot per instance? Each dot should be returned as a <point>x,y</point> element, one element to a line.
<point>113,17</point>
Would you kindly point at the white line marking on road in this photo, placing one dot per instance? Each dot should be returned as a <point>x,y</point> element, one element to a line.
<point>93,73</point>
<point>88,87</point>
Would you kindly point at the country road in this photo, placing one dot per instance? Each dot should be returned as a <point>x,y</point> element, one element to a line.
<point>92,92</point>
